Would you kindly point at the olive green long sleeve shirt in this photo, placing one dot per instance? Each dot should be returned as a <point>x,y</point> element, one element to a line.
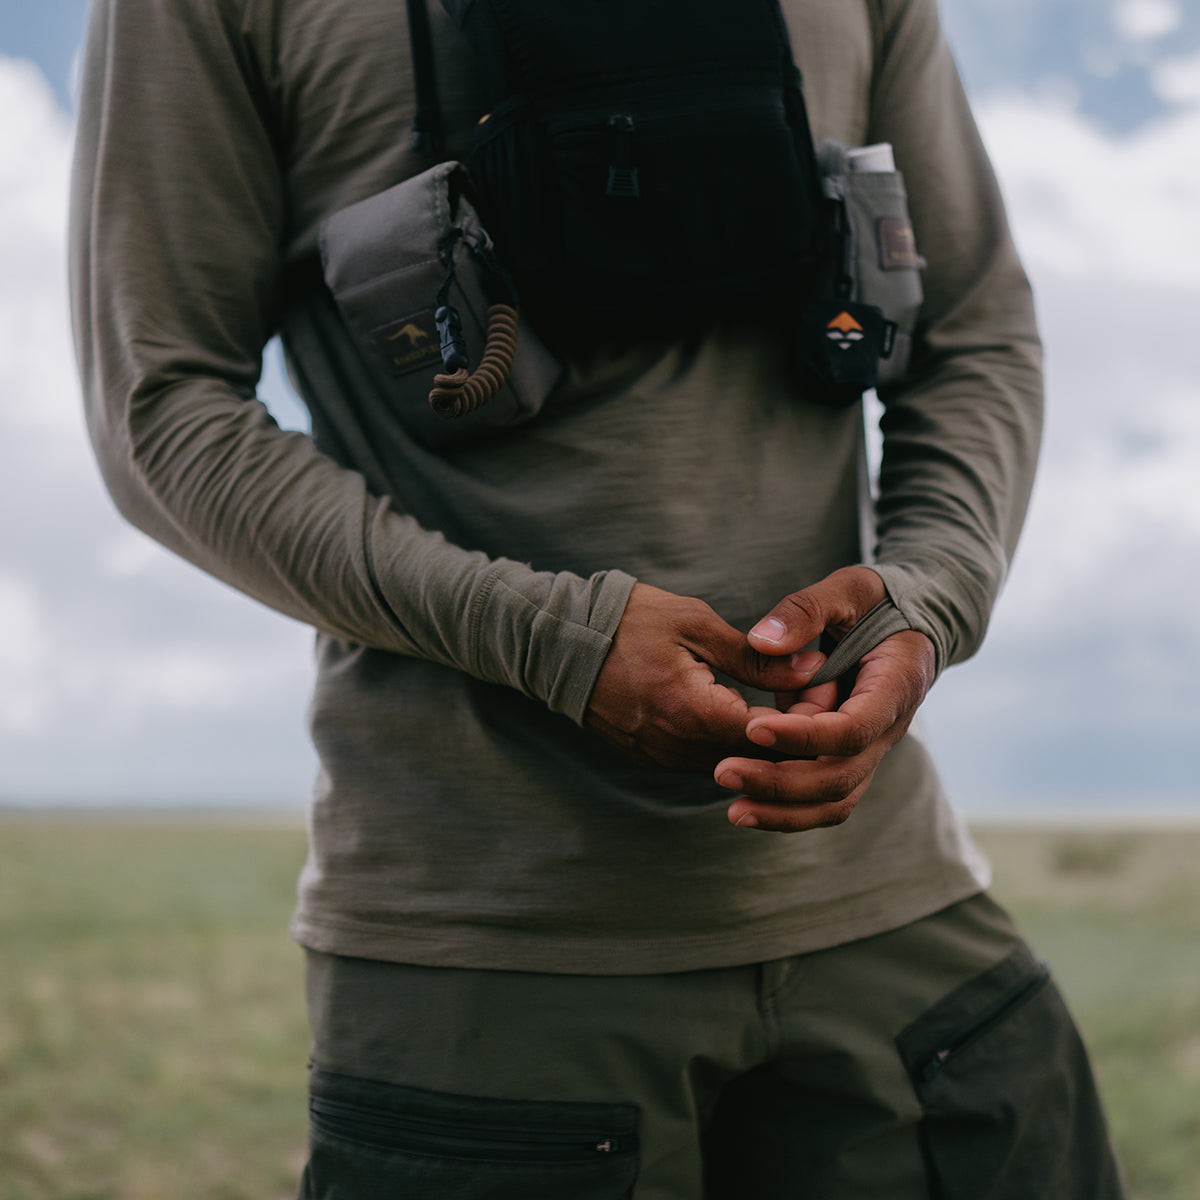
<point>465,597</point>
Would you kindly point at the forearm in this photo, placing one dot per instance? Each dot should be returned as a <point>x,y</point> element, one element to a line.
<point>178,213</point>
<point>961,434</point>
<point>213,478</point>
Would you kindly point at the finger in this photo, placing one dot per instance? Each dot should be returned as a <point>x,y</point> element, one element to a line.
<point>776,728</point>
<point>809,730</point>
<point>891,683</point>
<point>816,783</point>
<point>686,725</point>
<point>813,700</point>
<point>701,727</point>
<point>695,728</point>
<point>835,602</point>
<point>699,712</point>
<point>817,735</point>
<point>723,647</point>
<point>793,818</point>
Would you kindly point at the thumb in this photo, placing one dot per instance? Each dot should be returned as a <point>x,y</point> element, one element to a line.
<point>834,603</point>
<point>726,650</point>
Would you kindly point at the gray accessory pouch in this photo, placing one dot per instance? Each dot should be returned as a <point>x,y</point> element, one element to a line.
<point>882,259</point>
<point>382,260</point>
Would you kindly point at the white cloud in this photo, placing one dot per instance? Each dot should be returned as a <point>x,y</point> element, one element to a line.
<point>1177,80</point>
<point>122,668</point>
<point>24,655</point>
<point>34,151</point>
<point>127,553</point>
<point>130,684</point>
<point>1108,231</point>
<point>1147,20</point>
<point>1095,646</point>
<point>38,391</point>
<point>23,641</point>
<point>1087,205</point>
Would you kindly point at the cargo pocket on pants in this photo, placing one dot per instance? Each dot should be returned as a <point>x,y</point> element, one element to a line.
<point>369,1139</point>
<point>1010,1106</point>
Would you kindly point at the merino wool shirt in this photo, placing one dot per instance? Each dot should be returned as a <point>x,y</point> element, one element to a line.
<point>465,595</point>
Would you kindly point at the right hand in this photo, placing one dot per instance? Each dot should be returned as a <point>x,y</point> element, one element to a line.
<point>656,697</point>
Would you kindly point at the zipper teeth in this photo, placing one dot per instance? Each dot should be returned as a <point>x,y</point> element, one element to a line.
<point>755,66</point>
<point>391,1122</point>
<point>990,1017</point>
<point>596,118</point>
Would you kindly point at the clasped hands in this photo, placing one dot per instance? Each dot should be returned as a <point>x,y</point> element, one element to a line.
<point>801,765</point>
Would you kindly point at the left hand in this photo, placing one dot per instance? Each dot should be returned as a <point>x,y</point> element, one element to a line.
<point>836,748</point>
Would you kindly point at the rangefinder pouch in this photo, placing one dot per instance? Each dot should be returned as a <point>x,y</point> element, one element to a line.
<point>412,272</point>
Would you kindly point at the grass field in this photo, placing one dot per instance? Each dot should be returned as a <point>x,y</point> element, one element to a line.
<point>152,1035</point>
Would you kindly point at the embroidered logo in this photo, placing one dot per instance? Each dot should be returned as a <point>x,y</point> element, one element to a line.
<point>415,334</point>
<point>408,343</point>
<point>843,331</point>
<point>897,247</point>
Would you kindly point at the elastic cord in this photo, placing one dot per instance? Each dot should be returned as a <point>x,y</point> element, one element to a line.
<point>462,392</point>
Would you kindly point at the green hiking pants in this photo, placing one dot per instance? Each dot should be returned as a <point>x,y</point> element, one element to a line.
<point>933,1062</point>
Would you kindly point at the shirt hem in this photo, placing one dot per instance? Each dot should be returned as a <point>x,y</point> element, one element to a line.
<point>561,955</point>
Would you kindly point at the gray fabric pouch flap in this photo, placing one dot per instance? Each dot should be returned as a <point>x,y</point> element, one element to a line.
<point>381,260</point>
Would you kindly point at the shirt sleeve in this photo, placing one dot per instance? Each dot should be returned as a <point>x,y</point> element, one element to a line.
<point>961,434</point>
<point>177,222</point>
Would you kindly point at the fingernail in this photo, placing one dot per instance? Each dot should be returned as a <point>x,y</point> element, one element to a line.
<point>731,780</point>
<point>761,736</point>
<point>805,662</point>
<point>769,629</point>
<point>746,821</point>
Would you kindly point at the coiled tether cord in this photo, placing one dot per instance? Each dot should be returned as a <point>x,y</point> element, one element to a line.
<point>459,390</point>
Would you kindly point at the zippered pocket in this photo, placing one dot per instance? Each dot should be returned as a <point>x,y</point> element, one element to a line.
<point>389,1140</point>
<point>690,192</point>
<point>443,1135</point>
<point>665,198</point>
<point>1010,1110</point>
<point>958,1040</point>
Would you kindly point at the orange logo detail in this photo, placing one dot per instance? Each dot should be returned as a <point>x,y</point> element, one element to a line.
<point>844,330</point>
<point>844,322</point>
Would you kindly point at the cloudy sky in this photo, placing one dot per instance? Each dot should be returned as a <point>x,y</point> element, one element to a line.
<point>126,675</point>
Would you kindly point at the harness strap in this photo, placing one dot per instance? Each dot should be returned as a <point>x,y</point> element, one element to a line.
<point>427,120</point>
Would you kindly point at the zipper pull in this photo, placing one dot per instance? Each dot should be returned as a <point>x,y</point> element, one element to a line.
<point>934,1065</point>
<point>622,174</point>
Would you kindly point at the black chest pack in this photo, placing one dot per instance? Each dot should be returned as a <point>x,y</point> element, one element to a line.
<point>644,157</point>
<point>645,162</point>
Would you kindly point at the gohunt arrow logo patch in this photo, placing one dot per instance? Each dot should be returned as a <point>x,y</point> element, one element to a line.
<point>843,331</point>
<point>408,343</point>
<point>843,343</point>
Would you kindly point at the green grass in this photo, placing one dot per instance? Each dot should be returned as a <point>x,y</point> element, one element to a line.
<point>152,1031</point>
<point>152,1035</point>
<point>1117,914</point>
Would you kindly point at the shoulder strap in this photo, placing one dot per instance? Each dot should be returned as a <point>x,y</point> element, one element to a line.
<point>876,18</point>
<point>427,120</point>
<point>875,13</point>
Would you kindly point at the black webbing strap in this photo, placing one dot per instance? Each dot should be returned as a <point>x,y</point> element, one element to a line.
<point>427,121</point>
